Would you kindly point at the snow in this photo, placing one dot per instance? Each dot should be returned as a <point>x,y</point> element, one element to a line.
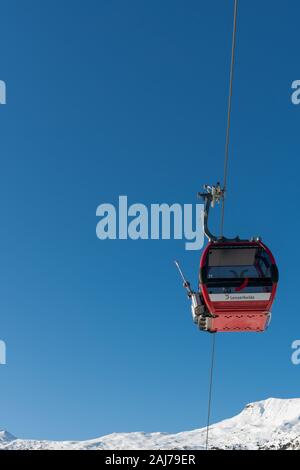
<point>6,436</point>
<point>271,423</point>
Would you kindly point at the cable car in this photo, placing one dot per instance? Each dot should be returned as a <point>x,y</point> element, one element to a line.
<point>238,283</point>
<point>237,280</point>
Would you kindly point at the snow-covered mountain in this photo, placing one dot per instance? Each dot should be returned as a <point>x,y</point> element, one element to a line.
<point>268,424</point>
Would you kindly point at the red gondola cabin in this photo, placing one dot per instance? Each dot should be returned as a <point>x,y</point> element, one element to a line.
<point>238,282</point>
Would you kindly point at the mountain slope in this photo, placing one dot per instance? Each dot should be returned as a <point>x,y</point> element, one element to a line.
<point>268,424</point>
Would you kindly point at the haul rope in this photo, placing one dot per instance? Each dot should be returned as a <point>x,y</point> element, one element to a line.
<point>223,202</point>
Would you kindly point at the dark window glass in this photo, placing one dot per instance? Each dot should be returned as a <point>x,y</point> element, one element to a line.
<point>238,264</point>
<point>232,257</point>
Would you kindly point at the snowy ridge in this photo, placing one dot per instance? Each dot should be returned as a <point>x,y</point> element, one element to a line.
<point>268,424</point>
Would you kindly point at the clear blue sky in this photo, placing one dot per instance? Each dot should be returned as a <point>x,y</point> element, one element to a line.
<point>112,97</point>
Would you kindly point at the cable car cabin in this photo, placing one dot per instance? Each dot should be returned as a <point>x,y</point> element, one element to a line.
<point>238,282</point>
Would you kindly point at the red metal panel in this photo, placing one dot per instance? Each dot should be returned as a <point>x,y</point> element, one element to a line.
<point>240,322</point>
